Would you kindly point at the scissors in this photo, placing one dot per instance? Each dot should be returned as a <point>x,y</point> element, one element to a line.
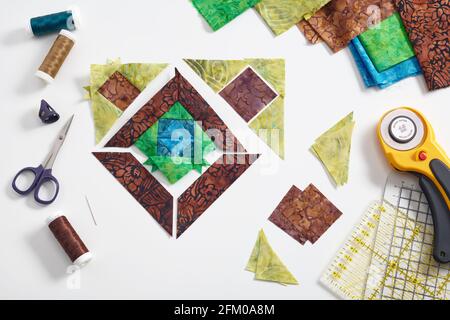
<point>409,144</point>
<point>43,173</point>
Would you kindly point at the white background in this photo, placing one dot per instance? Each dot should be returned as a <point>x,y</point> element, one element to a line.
<point>134,258</point>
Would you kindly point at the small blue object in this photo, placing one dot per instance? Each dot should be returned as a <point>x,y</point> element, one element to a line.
<point>175,138</point>
<point>46,113</point>
<point>55,22</point>
<point>372,77</point>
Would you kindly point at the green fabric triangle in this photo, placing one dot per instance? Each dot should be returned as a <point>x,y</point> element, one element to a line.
<point>105,115</point>
<point>177,111</point>
<point>266,265</point>
<point>333,149</point>
<point>140,74</point>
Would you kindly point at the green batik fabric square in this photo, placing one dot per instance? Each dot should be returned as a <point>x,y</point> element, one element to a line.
<point>387,43</point>
<point>175,144</point>
<point>219,13</point>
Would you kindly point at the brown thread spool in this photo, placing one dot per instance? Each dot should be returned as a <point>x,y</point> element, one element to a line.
<point>56,56</point>
<point>69,240</point>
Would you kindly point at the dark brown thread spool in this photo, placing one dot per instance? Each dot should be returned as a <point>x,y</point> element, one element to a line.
<point>69,240</point>
<point>56,56</point>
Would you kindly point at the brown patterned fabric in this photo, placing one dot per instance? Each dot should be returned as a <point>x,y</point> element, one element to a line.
<point>310,34</point>
<point>119,91</point>
<point>281,221</point>
<point>248,94</point>
<point>209,187</point>
<point>309,212</point>
<point>338,22</point>
<point>177,89</point>
<point>141,185</point>
<point>427,25</point>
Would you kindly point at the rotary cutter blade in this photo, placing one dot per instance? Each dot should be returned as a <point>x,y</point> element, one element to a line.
<point>409,144</point>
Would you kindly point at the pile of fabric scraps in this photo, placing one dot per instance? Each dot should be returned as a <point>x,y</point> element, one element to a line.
<point>175,129</point>
<point>390,40</point>
<point>305,215</point>
<point>266,265</point>
<point>332,148</point>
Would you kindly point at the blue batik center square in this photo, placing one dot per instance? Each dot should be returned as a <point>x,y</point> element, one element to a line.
<point>176,138</point>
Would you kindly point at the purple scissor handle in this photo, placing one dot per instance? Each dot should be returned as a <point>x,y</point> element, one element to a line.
<point>43,173</point>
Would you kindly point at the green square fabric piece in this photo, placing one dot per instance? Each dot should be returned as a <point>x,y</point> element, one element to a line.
<point>387,43</point>
<point>219,13</point>
<point>175,144</point>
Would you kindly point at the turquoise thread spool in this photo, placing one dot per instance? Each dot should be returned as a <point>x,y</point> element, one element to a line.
<point>55,22</point>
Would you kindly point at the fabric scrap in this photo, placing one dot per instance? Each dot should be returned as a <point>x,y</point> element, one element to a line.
<point>266,265</point>
<point>308,31</point>
<point>311,213</point>
<point>219,13</point>
<point>248,94</point>
<point>119,91</point>
<point>387,43</point>
<point>281,221</point>
<point>427,25</point>
<point>339,21</point>
<point>209,187</point>
<point>371,77</point>
<point>150,194</point>
<point>280,16</point>
<point>332,148</point>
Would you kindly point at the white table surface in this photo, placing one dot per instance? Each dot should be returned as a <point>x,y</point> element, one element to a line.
<point>133,256</point>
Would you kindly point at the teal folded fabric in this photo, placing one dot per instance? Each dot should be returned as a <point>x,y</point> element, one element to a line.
<point>372,77</point>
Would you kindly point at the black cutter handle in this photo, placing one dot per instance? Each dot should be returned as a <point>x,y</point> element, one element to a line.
<point>439,209</point>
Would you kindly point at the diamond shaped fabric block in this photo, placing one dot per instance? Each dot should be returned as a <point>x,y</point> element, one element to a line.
<point>175,144</point>
<point>248,94</point>
<point>387,43</point>
<point>219,13</point>
<point>265,263</point>
<point>141,185</point>
<point>333,149</point>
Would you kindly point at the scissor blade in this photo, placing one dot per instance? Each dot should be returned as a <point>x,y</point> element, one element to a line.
<point>58,143</point>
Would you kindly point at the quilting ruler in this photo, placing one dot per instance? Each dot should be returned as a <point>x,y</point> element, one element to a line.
<point>402,265</point>
<point>347,275</point>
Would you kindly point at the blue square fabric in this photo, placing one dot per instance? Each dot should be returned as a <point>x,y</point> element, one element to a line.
<point>176,138</point>
<point>372,77</point>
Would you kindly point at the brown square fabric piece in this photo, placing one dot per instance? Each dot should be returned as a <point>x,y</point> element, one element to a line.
<point>277,217</point>
<point>338,22</point>
<point>248,94</point>
<point>119,91</point>
<point>427,25</point>
<point>312,213</point>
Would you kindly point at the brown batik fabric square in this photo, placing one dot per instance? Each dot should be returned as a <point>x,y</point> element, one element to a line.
<point>209,187</point>
<point>119,91</point>
<point>427,25</point>
<point>339,21</point>
<point>177,89</point>
<point>136,179</point>
<point>248,94</point>
<point>279,219</point>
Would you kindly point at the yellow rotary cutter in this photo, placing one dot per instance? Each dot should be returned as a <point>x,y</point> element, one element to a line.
<point>408,142</point>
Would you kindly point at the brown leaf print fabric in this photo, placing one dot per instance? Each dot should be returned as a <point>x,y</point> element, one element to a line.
<point>310,212</point>
<point>177,89</point>
<point>141,185</point>
<point>310,34</point>
<point>427,25</point>
<point>119,91</point>
<point>209,187</point>
<point>277,217</point>
<point>248,94</point>
<point>338,22</point>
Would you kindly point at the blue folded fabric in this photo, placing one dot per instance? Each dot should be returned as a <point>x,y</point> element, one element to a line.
<point>372,77</point>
